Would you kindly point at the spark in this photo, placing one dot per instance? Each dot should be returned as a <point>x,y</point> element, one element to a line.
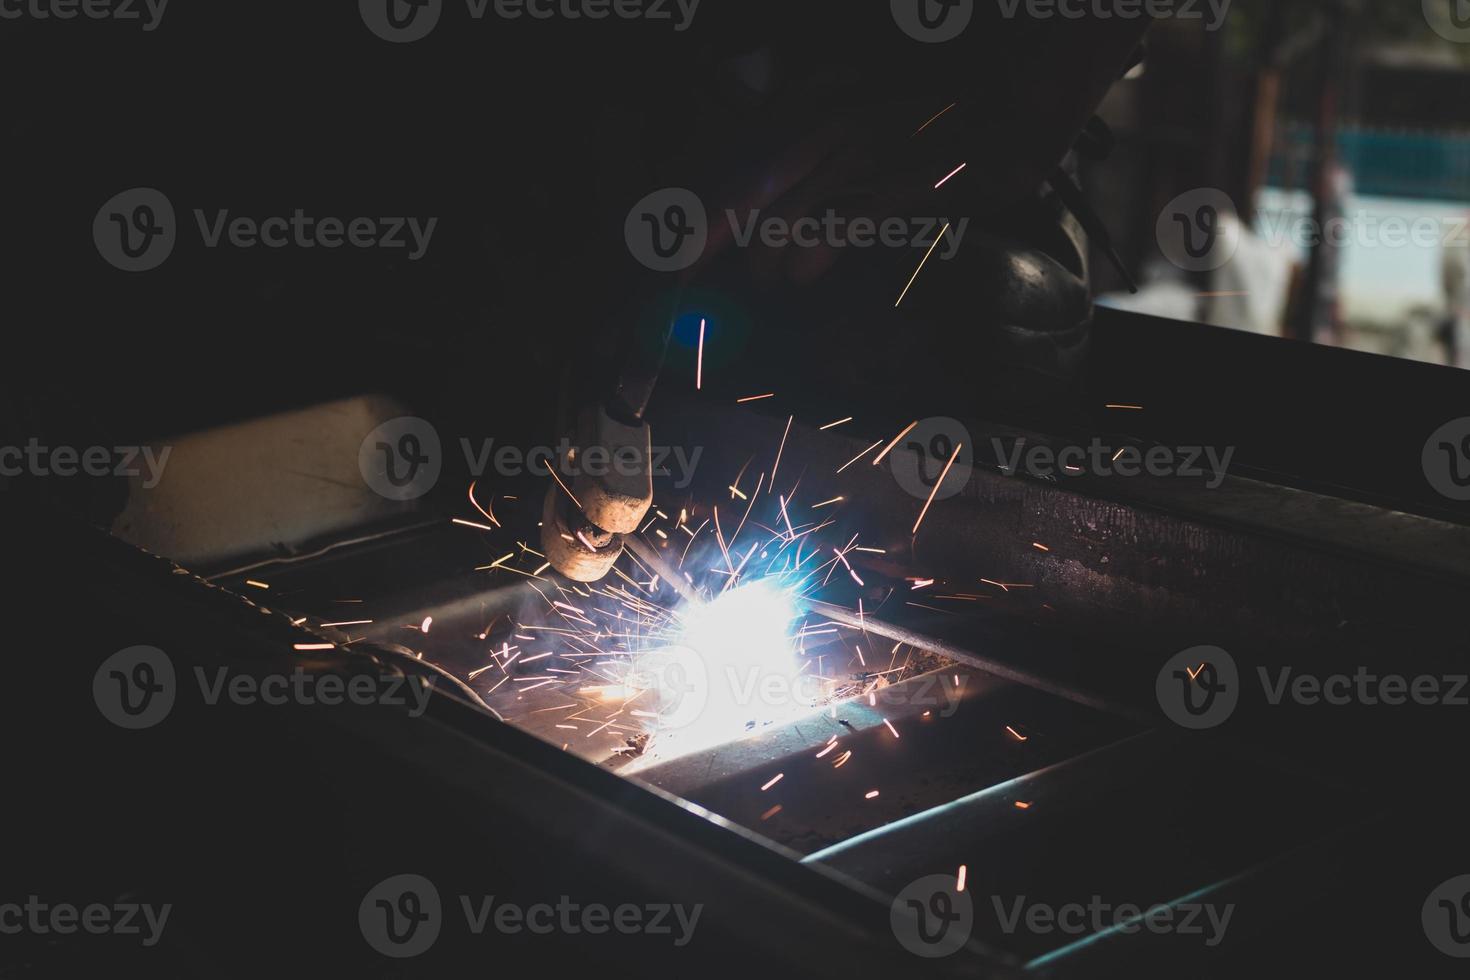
<point>1196,672</point>
<point>889,448</point>
<point>937,239</point>
<point>937,484</point>
<point>1126,408</point>
<point>1022,805</point>
<point>1019,737</point>
<point>771,812</point>
<point>258,585</point>
<point>552,471</point>
<point>497,562</point>
<point>891,728</point>
<point>781,449</point>
<point>461,521</point>
<point>699,364</point>
<point>959,884</point>
<point>1039,546</point>
<point>314,646</point>
<point>951,174</point>
<point>424,626</point>
<point>488,512</point>
<point>860,455</point>
<point>872,794</point>
<point>833,425</point>
<point>774,780</point>
<point>348,622</point>
<point>934,117</point>
<point>829,748</point>
<point>825,503</point>
<point>755,398</point>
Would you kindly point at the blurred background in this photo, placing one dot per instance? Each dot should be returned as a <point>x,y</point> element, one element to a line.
<point>1341,133</point>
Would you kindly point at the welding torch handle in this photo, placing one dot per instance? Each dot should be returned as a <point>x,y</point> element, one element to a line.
<point>847,617</point>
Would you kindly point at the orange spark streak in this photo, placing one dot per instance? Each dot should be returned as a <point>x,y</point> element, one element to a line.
<point>937,239</point>
<point>937,484</point>
<point>889,448</point>
<point>781,449</point>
